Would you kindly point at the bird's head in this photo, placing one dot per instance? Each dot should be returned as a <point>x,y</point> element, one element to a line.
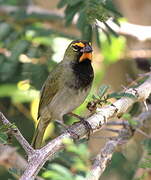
<point>79,51</point>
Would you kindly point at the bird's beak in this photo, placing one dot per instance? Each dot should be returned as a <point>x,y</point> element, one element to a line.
<point>86,49</point>
<point>86,53</point>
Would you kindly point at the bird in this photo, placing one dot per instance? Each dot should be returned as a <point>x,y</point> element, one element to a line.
<point>65,88</point>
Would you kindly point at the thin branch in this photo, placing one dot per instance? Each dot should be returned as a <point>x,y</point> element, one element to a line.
<point>117,123</point>
<point>105,155</point>
<point>102,160</point>
<point>38,157</point>
<point>15,132</point>
<point>140,32</point>
<point>111,130</point>
<point>30,9</point>
<point>11,160</point>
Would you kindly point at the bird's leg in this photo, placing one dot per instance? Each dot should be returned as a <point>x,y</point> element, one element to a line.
<point>65,127</point>
<point>62,124</point>
<point>74,115</point>
<point>85,123</point>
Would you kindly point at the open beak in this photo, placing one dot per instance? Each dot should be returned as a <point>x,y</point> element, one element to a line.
<point>86,53</point>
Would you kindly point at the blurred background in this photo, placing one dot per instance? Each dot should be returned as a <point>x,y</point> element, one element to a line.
<point>33,37</point>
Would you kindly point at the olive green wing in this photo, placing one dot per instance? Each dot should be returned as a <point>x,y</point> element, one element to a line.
<point>50,87</point>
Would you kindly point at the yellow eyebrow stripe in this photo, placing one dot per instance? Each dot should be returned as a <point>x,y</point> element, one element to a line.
<point>79,44</point>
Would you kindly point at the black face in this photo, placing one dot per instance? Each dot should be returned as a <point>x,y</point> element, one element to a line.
<point>82,66</point>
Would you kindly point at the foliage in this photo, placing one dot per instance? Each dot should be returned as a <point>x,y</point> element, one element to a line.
<point>26,57</point>
<point>147,161</point>
<point>87,12</point>
<point>4,133</point>
<point>103,97</point>
<point>74,168</point>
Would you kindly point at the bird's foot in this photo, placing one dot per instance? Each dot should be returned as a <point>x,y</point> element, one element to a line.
<point>85,123</point>
<point>65,127</point>
<point>87,126</point>
<point>62,124</point>
<point>73,134</point>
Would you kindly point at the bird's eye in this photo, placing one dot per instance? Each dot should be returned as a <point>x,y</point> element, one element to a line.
<point>76,48</point>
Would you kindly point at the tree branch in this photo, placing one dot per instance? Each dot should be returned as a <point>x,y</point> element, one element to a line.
<point>105,155</point>
<point>140,32</point>
<point>15,132</point>
<point>13,161</point>
<point>37,158</point>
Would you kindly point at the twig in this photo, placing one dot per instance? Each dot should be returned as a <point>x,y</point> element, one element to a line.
<point>15,131</point>
<point>117,123</point>
<point>111,130</point>
<point>140,32</point>
<point>37,158</point>
<point>102,159</point>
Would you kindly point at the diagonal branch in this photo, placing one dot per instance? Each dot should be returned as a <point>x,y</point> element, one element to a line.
<point>15,132</point>
<point>38,157</point>
<point>105,155</point>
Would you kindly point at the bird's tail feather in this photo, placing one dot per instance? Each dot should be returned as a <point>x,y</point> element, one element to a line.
<point>39,133</point>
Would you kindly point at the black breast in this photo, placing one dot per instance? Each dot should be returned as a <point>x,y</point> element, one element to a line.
<point>83,74</point>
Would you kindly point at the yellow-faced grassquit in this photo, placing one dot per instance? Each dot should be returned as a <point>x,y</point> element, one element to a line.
<point>66,87</point>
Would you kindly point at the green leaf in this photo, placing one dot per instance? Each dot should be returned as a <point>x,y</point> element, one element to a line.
<point>133,122</point>
<point>5,127</point>
<point>109,5</point>
<point>147,145</point>
<point>95,97</point>
<point>73,3</point>
<point>62,171</point>
<point>37,73</point>
<point>87,32</point>
<point>3,138</point>
<point>135,109</point>
<point>111,30</point>
<point>127,116</point>
<point>146,164</point>
<point>120,95</point>
<point>102,90</point>
<point>70,13</point>
<point>18,49</point>
<point>79,164</point>
<point>128,95</point>
<point>62,3</point>
<point>98,41</point>
<point>82,21</point>
<point>52,174</point>
<point>4,30</point>
<point>15,171</point>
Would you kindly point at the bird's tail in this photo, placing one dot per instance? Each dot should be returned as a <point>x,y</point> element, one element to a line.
<point>39,133</point>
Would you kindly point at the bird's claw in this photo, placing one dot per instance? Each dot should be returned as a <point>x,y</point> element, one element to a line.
<point>84,122</point>
<point>87,126</point>
<point>73,134</point>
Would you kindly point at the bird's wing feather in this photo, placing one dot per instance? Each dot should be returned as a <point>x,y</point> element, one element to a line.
<point>50,87</point>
